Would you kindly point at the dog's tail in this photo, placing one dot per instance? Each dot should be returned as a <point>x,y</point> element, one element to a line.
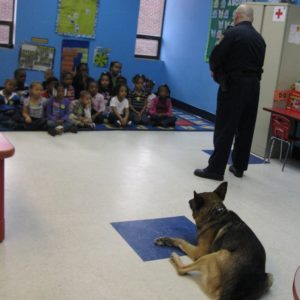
<point>250,291</point>
<point>263,288</point>
<point>268,282</point>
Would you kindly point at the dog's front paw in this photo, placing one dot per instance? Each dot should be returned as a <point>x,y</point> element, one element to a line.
<point>164,242</point>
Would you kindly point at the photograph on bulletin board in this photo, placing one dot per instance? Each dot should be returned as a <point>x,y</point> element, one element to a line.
<point>73,53</point>
<point>36,57</point>
<point>77,18</point>
<point>221,17</point>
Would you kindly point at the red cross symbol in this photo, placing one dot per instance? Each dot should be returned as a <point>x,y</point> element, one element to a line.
<point>279,13</point>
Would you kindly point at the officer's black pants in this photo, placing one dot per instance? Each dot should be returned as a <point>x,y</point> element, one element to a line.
<point>235,120</point>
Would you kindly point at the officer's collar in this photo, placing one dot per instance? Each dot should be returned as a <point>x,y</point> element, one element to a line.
<point>244,23</point>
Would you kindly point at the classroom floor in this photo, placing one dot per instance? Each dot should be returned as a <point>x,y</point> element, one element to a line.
<point>63,193</point>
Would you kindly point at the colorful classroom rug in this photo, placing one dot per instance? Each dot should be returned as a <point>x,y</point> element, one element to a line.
<point>185,122</point>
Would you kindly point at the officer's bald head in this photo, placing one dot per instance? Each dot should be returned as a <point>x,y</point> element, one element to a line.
<point>243,13</point>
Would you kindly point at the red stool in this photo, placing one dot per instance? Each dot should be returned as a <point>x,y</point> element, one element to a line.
<point>6,150</point>
<point>296,285</point>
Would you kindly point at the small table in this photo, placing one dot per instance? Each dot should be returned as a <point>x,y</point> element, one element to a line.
<point>288,113</point>
<point>6,150</point>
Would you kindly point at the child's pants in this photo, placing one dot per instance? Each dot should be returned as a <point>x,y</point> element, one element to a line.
<point>113,119</point>
<point>14,122</point>
<point>37,124</point>
<point>135,119</point>
<point>67,125</point>
<point>164,121</point>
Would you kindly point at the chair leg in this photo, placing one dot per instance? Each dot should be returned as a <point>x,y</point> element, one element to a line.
<point>292,147</point>
<point>286,155</point>
<point>280,150</point>
<point>271,148</point>
<point>267,151</point>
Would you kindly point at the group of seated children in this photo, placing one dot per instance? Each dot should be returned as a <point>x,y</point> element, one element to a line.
<point>81,102</point>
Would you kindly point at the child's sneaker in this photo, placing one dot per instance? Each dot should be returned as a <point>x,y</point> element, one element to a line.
<point>129,123</point>
<point>52,132</point>
<point>93,125</point>
<point>73,129</point>
<point>118,123</point>
<point>59,129</point>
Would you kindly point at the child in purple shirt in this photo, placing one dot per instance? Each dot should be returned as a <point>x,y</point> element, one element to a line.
<point>58,111</point>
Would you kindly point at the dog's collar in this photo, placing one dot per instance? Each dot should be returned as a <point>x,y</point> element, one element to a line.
<point>212,221</point>
<point>219,209</point>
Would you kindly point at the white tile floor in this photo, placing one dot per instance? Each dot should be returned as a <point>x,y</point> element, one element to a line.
<point>62,193</point>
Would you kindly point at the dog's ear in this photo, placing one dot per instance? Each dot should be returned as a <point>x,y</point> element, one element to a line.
<point>198,200</point>
<point>221,190</point>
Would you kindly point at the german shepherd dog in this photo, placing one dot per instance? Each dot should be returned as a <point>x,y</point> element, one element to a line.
<point>229,256</point>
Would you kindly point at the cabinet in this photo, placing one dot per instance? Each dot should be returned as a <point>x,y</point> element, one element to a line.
<point>282,62</point>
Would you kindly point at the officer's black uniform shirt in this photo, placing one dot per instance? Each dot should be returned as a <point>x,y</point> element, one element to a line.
<point>241,50</point>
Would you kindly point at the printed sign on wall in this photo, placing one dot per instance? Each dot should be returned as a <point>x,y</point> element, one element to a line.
<point>279,14</point>
<point>221,17</point>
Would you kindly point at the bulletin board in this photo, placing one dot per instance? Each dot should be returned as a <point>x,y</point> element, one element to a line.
<point>101,57</point>
<point>73,53</point>
<point>36,57</point>
<point>77,18</point>
<point>221,17</point>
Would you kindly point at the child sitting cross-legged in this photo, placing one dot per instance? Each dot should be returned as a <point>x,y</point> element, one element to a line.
<point>138,101</point>
<point>119,115</point>
<point>58,111</point>
<point>10,114</point>
<point>34,108</point>
<point>81,111</point>
<point>50,87</point>
<point>21,87</point>
<point>98,103</point>
<point>67,79</point>
<point>161,108</point>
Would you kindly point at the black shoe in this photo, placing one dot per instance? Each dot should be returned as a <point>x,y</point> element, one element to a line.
<point>52,132</point>
<point>236,172</point>
<point>73,129</point>
<point>206,174</point>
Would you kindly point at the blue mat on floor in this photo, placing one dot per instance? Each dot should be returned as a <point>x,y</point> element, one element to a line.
<point>140,235</point>
<point>254,160</point>
<point>185,122</point>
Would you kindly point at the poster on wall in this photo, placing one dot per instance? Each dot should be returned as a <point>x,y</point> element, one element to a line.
<point>73,53</point>
<point>36,57</point>
<point>221,17</point>
<point>77,18</point>
<point>101,56</point>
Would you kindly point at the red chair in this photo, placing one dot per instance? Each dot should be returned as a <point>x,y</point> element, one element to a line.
<point>280,127</point>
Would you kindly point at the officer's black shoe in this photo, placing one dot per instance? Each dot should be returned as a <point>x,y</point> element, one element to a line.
<point>206,174</point>
<point>236,172</point>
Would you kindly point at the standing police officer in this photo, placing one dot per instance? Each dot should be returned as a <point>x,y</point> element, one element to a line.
<point>236,64</point>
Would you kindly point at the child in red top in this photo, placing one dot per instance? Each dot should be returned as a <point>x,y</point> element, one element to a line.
<point>161,108</point>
